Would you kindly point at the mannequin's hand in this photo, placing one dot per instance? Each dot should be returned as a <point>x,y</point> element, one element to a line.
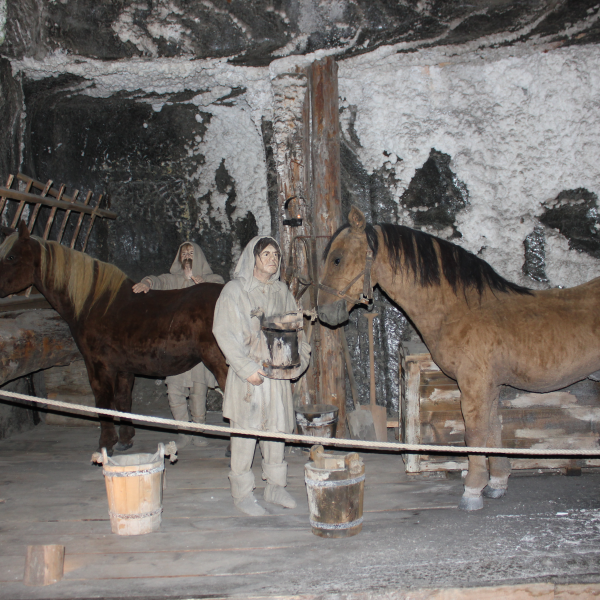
<point>197,279</point>
<point>141,287</point>
<point>257,378</point>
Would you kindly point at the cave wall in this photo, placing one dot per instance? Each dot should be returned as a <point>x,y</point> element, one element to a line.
<point>494,146</point>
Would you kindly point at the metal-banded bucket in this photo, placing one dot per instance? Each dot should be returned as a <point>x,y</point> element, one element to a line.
<point>281,333</point>
<point>134,486</point>
<point>335,487</point>
<point>318,420</point>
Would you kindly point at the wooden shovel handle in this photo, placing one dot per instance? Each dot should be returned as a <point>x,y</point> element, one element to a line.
<point>370,317</point>
<point>349,369</point>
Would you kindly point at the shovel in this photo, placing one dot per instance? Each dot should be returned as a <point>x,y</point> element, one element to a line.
<point>360,422</point>
<point>378,413</point>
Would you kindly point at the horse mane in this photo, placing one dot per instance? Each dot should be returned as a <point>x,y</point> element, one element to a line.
<point>429,258</point>
<point>81,276</point>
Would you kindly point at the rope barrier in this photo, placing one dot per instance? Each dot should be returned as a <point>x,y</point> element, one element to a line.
<point>307,439</point>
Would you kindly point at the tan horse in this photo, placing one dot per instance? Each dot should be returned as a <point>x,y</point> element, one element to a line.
<point>481,330</point>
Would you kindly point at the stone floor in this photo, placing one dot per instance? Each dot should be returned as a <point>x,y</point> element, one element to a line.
<point>544,536</point>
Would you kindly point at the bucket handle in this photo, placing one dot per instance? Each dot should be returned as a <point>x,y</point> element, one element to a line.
<point>351,459</point>
<point>160,453</point>
<point>105,458</point>
<point>315,451</point>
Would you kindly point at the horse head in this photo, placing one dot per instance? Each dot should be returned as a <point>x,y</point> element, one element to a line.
<point>16,262</point>
<point>347,280</point>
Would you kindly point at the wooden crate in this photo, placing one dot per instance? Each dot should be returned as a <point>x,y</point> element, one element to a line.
<point>430,414</point>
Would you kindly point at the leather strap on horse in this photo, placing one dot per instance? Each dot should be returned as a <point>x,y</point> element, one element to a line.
<point>306,439</point>
<point>367,294</point>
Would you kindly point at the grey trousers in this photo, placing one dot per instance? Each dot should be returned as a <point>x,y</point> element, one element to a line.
<point>274,468</point>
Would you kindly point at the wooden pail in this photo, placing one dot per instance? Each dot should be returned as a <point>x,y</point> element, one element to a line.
<point>282,339</point>
<point>335,487</point>
<point>318,420</point>
<point>134,486</point>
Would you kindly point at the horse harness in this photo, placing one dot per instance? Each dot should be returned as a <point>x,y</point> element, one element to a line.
<point>366,297</point>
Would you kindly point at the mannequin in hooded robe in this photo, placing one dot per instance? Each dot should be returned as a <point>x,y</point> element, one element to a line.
<point>251,400</point>
<point>189,268</point>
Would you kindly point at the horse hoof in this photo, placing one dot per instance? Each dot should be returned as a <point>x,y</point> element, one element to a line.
<point>120,447</point>
<point>490,492</point>
<point>471,503</point>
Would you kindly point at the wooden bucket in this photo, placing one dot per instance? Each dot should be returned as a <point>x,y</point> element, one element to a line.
<point>134,486</point>
<point>335,487</point>
<point>317,420</point>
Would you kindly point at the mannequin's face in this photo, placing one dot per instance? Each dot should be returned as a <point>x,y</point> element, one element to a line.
<point>266,263</point>
<point>186,258</point>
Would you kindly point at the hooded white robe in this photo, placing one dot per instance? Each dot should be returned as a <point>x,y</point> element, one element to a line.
<point>269,406</point>
<point>176,280</point>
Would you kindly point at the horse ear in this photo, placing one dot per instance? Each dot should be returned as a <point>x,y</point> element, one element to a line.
<point>23,231</point>
<point>357,220</point>
<point>6,230</point>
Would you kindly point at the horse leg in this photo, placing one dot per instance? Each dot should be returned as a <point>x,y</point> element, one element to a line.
<point>476,399</point>
<point>214,360</point>
<point>103,386</point>
<point>499,465</point>
<point>123,404</point>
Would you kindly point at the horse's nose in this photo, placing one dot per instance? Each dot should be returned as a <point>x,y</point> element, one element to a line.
<point>333,314</point>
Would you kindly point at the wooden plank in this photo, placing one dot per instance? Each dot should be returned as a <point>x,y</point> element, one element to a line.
<point>78,206</point>
<point>66,218</point>
<point>37,207</point>
<point>3,199</point>
<point>80,221</point>
<point>93,216</point>
<point>19,210</point>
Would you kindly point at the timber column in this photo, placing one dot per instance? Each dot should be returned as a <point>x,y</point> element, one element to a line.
<point>307,153</point>
<point>325,189</point>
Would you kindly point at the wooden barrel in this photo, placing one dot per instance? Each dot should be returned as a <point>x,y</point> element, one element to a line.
<point>335,487</point>
<point>134,486</point>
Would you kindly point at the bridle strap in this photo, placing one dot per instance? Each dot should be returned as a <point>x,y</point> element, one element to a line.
<point>367,294</point>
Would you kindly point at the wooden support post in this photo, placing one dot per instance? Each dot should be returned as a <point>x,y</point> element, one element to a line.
<point>44,565</point>
<point>324,135</point>
<point>290,107</point>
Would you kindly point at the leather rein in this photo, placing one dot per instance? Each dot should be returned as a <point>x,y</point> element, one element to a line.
<point>367,294</point>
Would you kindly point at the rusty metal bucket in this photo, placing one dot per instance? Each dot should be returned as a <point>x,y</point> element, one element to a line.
<point>335,487</point>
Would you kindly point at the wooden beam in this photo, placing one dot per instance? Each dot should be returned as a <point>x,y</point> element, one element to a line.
<point>34,340</point>
<point>44,565</point>
<point>325,188</point>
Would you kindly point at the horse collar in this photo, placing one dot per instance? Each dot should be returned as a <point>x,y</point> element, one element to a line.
<point>367,294</point>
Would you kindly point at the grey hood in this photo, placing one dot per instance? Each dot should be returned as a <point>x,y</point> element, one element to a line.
<point>199,264</point>
<point>244,269</point>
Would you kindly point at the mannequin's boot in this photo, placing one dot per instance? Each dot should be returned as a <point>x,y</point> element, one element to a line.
<point>198,410</point>
<point>243,498</point>
<point>276,477</point>
<point>179,410</point>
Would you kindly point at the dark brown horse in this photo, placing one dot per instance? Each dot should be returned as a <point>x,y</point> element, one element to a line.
<point>119,333</point>
<point>481,330</point>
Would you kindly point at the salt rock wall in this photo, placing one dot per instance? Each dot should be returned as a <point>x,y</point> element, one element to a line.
<point>179,157</point>
<point>496,150</point>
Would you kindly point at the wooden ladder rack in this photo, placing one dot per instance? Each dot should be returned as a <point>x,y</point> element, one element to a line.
<point>37,195</point>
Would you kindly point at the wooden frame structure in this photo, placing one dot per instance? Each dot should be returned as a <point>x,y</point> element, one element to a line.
<point>38,194</point>
<point>431,414</point>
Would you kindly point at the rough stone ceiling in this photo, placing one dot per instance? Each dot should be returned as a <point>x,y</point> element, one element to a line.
<point>257,32</point>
